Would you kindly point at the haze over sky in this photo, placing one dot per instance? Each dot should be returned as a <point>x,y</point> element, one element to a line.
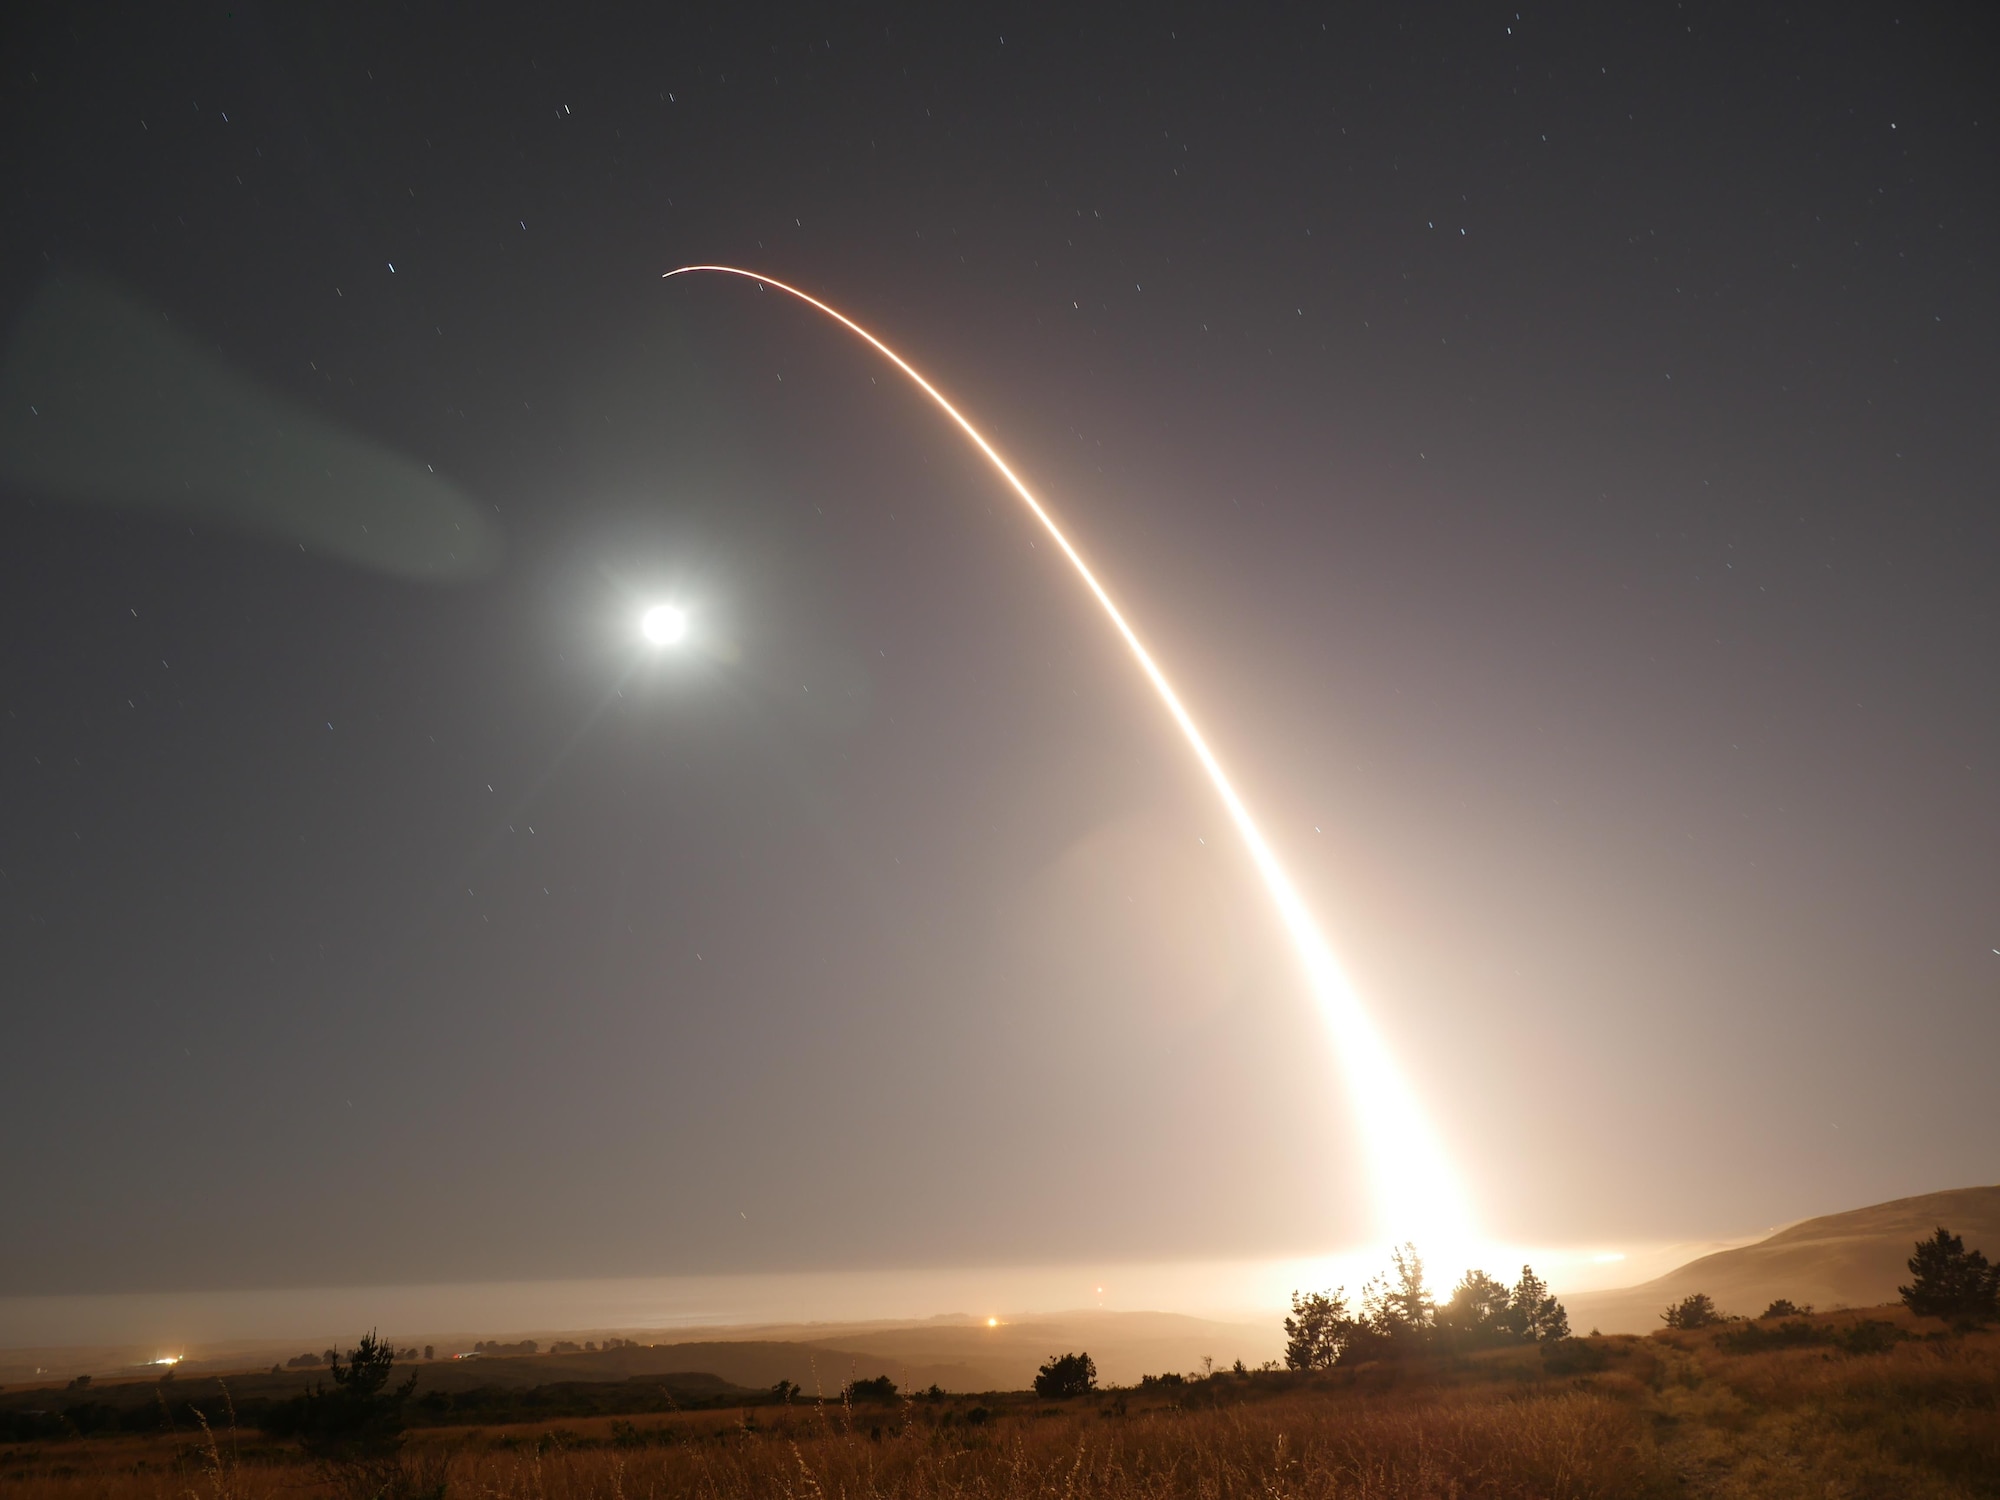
<point>1553,450</point>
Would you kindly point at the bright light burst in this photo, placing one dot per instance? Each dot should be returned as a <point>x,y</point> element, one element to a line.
<point>664,625</point>
<point>1417,1194</point>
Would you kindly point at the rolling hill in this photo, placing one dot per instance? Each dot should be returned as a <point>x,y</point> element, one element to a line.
<point>1852,1259</point>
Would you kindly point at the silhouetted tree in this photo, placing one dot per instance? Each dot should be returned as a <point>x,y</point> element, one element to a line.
<point>1066,1375</point>
<point>880,1388</point>
<point>362,1416</point>
<point>1398,1307</point>
<point>1477,1311</point>
<point>1951,1282</point>
<point>1696,1310</point>
<point>1318,1331</point>
<point>1484,1310</point>
<point>1533,1314</point>
<point>1784,1307</point>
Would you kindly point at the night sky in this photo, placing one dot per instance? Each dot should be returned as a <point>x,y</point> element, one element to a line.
<point>1553,450</point>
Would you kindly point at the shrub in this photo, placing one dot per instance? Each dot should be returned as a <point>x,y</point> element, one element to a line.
<point>1066,1375</point>
<point>1754,1338</point>
<point>1568,1356</point>
<point>1784,1307</point>
<point>1870,1337</point>
<point>1696,1310</point>
<point>880,1388</point>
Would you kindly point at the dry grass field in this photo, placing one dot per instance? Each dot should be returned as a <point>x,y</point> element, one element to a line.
<point>1675,1414</point>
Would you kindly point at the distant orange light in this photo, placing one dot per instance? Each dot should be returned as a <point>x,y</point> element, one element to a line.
<point>992,1322</point>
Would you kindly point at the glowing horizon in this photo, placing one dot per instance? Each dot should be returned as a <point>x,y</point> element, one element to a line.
<point>1417,1194</point>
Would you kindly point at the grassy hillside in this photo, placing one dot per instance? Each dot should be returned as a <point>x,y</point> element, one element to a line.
<point>1852,1259</point>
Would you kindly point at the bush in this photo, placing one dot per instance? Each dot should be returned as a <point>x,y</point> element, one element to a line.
<point>1870,1337</point>
<point>881,1388</point>
<point>1754,1338</point>
<point>1568,1356</point>
<point>1784,1307</point>
<point>1696,1310</point>
<point>1066,1375</point>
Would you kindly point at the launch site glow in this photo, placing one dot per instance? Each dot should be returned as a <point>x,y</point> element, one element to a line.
<point>1417,1195</point>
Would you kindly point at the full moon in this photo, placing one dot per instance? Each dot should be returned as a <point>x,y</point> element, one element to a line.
<point>663,624</point>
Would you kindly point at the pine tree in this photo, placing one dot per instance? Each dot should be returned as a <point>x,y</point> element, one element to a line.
<point>1533,1312</point>
<point>1951,1282</point>
<point>1399,1306</point>
<point>1318,1331</point>
<point>1477,1311</point>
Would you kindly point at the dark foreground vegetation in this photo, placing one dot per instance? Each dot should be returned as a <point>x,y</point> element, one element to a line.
<point>1694,1412</point>
<point>1484,1396</point>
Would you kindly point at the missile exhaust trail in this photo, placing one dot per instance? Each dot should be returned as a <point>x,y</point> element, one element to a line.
<point>1417,1195</point>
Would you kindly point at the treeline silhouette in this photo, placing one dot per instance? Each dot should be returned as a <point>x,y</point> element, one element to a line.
<point>1397,1316</point>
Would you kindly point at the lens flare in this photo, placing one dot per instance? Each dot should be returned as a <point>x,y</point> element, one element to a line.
<point>1417,1194</point>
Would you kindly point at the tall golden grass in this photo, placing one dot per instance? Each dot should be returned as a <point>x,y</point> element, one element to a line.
<point>1571,1445</point>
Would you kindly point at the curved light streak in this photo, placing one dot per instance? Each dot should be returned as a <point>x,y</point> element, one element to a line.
<point>1417,1195</point>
